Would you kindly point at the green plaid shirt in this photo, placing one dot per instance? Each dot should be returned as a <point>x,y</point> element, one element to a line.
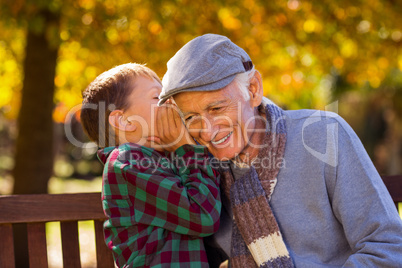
<point>159,206</point>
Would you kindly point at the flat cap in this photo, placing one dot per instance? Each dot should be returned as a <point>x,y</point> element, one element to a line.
<point>206,63</point>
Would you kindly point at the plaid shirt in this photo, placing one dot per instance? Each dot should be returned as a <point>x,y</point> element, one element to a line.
<point>159,206</point>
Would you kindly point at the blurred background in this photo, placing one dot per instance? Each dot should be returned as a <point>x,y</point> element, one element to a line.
<point>336,55</point>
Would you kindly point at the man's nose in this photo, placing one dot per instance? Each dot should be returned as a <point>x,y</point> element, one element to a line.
<point>207,129</point>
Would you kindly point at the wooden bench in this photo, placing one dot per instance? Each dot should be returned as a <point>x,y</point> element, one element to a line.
<point>68,209</point>
<point>36,210</point>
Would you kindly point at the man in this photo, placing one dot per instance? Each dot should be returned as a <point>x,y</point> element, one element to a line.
<point>299,188</point>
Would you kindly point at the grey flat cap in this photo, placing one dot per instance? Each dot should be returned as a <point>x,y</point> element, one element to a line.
<point>208,62</point>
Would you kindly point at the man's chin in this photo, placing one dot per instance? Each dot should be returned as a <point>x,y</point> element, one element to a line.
<point>224,156</point>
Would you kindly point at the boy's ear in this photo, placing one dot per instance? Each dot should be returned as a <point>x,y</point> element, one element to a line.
<point>256,90</point>
<point>116,119</point>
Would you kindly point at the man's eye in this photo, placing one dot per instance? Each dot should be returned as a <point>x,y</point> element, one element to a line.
<point>188,118</point>
<point>216,108</point>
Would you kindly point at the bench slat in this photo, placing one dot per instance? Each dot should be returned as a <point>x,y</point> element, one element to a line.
<point>104,258</point>
<point>6,246</point>
<point>37,249</point>
<point>70,244</point>
<point>59,207</point>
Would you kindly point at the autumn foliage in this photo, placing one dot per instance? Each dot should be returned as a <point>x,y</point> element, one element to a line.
<point>310,53</point>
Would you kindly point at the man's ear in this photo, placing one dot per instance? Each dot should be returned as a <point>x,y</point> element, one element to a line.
<point>256,90</point>
<point>116,119</point>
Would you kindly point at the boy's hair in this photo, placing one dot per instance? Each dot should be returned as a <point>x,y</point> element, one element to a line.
<point>108,92</point>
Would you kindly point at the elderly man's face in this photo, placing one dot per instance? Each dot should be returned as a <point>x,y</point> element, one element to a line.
<point>222,120</point>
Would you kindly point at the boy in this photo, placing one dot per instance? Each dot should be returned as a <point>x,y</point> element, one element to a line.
<point>157,211</point>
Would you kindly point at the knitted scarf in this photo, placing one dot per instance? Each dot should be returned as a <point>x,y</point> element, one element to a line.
<point>256,238</point>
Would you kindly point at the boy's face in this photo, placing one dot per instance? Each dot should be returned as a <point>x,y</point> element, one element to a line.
<point>143,103</point>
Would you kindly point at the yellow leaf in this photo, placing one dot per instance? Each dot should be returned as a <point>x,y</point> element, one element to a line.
<point>154,27</point>
<point>311,26</point>
<point>348,48</point>
<point>228,20</point>
<point>5,96</point>
<point>374,81</point>
<point>338,62</point>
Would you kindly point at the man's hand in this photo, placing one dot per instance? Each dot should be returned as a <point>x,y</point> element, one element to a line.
<point>171,130</point>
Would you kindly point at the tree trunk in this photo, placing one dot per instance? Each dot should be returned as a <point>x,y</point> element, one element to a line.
<point>34,145</point>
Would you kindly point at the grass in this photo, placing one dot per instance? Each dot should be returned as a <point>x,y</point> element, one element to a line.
<point>62,186</point>
<point>58,185</point>
<point>6,185</point>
